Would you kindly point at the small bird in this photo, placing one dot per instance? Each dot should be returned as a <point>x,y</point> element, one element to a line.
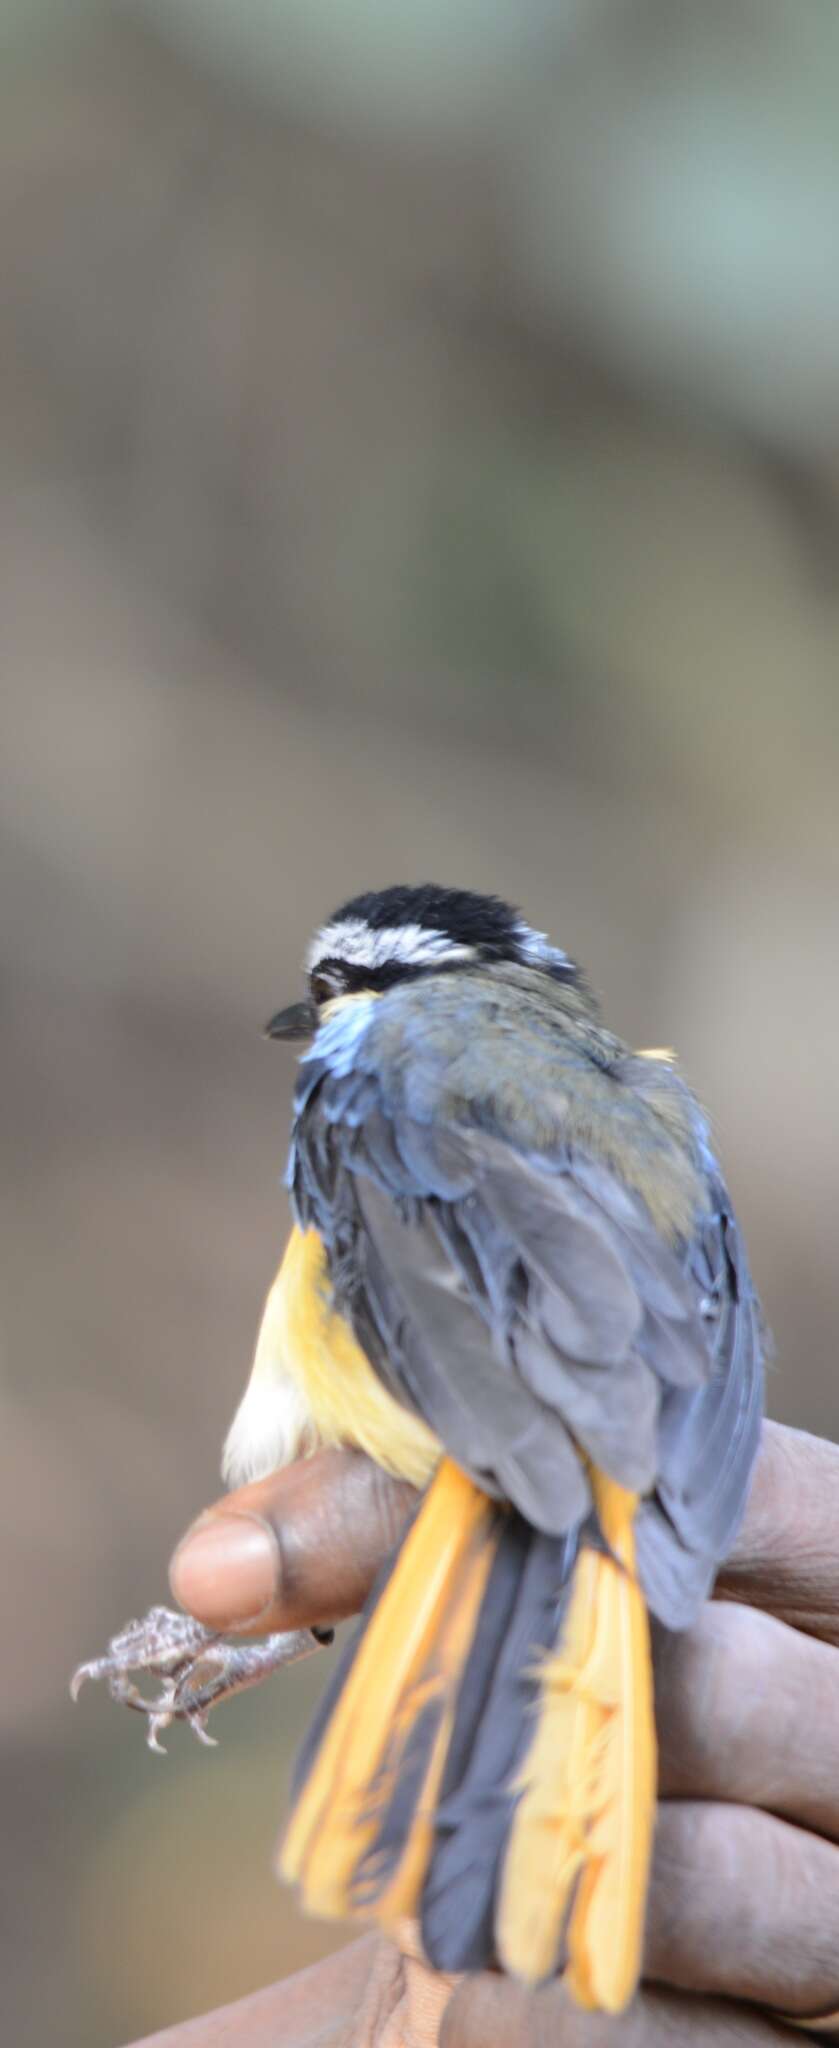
<point>515,1279</point>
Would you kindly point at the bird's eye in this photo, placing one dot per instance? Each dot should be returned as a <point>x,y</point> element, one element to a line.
<point>326,986</point>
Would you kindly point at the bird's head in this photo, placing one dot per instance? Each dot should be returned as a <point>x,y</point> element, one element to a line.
<point>393,935</point>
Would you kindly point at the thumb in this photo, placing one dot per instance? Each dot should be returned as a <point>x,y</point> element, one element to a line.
<point>299,1549</point>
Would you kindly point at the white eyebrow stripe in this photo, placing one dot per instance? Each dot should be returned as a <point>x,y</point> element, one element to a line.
<point>409,945</point>
<point>536,946</point>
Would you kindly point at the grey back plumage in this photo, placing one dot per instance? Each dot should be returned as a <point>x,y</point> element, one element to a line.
<point>527,1230</point>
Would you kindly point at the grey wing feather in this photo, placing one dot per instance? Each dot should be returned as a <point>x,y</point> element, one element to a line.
<point>708,1444</point>
<point>513,1443</point>
<point>526,1306</point>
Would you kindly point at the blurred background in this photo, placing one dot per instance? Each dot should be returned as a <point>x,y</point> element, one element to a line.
<point>419,460</point>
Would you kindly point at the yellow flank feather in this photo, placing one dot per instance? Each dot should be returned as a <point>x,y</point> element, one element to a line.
<point>412,1654</point>
<point>313,1347</point>
<point>577,1862</point>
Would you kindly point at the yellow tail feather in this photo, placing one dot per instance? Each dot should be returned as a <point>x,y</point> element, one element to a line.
<point>413,1652</point>
<point>578,1856</point>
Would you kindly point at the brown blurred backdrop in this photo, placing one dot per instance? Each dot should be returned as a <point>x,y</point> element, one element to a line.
<point>419,459</point>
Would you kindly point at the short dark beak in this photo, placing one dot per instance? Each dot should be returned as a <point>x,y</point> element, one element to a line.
<point>299,1021</point>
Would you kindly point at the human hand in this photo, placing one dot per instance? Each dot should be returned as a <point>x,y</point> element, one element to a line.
<point>744,1897</point>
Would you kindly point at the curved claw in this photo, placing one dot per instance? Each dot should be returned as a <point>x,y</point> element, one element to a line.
<point>83,1672</point>
<point>157,1722</point>
<point>199,1727</point>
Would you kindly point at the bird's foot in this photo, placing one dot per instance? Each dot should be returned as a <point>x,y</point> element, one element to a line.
<point>195,1667</point>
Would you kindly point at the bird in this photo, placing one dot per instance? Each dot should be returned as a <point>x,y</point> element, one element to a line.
<point>516,1279</point>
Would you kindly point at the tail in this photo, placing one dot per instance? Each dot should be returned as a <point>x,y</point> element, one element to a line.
<point>484,1760</point>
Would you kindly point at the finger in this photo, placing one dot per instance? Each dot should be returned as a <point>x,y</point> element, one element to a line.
<point>299,1549</point>
<point>491,2012</point>
<point>748,1711</point>
<point>743,1906</point>
<point>785,1555</point>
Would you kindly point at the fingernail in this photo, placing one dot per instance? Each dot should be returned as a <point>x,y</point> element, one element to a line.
<point>225,1570</point>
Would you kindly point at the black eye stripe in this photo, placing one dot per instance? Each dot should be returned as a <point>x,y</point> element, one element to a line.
<point>337,977</point>
<point>329,978</point>
<point>333,976</point>
<point>386,976</point>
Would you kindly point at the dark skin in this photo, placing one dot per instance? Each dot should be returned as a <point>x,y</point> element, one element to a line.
<point>744,1900</point>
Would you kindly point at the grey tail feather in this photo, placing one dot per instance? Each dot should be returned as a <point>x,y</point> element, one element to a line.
<point>520,1618</point>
